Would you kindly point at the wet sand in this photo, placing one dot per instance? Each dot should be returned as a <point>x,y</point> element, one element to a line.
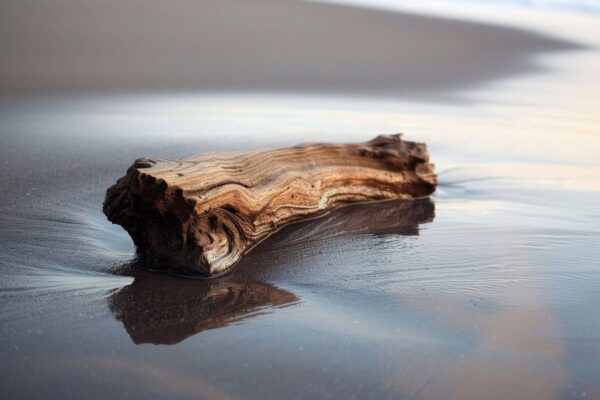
<point>486,290</point>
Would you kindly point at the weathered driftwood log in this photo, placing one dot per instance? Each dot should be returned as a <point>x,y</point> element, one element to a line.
<point>199,215</point>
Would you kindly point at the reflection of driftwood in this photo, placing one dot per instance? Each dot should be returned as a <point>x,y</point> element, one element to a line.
<point>396,217</point>
<point>293,243</point>
<point>162,310</point>
<point>201,214</point>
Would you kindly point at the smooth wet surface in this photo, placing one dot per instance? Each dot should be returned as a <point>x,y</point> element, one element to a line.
<point>490,287</point>
<point>488,290</point>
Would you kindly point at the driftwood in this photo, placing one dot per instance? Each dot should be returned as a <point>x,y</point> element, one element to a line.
<point>199,215</point>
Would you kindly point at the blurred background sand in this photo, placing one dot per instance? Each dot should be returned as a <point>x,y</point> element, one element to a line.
<point>251,46</point>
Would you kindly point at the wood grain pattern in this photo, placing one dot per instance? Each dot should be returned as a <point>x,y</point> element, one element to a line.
<point>199,215</point>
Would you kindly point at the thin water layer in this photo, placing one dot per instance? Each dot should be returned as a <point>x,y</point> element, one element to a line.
<point>490,285</point>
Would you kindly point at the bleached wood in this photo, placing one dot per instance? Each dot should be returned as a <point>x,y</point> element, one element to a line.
<point>199,215</point>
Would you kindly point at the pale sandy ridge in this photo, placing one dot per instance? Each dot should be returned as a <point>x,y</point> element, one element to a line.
<point>251,45</point>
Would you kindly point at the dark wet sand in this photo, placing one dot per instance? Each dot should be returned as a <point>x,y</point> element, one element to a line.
<point>252,46</point>
<point>487,291</point>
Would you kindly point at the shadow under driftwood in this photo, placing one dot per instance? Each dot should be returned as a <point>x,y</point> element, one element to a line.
<point>160,309</point>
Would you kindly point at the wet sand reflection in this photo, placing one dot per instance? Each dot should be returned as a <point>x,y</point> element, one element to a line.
<point>517,349</point>
<point>156,380</point>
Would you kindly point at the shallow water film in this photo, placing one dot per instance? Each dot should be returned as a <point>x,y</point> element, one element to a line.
<point>488,289</point>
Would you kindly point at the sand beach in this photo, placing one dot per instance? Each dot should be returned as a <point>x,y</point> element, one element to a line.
<point>488,289</point>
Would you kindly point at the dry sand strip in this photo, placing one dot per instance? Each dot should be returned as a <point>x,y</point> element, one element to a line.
<point>251,45</point>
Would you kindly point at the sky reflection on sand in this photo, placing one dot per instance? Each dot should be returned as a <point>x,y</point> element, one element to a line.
<point>517,350</point>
